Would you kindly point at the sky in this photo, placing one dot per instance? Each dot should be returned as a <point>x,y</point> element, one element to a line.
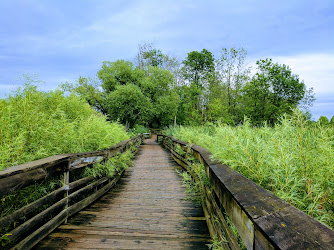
<point>62,40</point>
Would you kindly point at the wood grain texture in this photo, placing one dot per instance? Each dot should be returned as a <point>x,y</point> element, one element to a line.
<point>146,210</point>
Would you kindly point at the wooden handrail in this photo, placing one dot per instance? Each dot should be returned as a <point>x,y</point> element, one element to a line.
<point>263,220</point>
<point>67,200</point>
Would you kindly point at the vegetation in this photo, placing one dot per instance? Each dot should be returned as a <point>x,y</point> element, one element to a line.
<point>156,90</point>
<point>112,166</point>
<point>195,180</point>
<point>293,160</point>
<point>35,124</point>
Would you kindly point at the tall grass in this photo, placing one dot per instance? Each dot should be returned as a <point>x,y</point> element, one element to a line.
<point>35,124</point>
<point>293,160</point>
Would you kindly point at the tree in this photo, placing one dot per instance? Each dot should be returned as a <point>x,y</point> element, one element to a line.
<point>225,92</point>
<point>198,71</point>
<point>148,55</point>
<point>273,91</point>
<point>117,73</point>
<point>332,121</point>
<point>323,120</point>
<point>129,105</point>
<point>166,109</point>
<point>88,89</point>
<point>198,66</point>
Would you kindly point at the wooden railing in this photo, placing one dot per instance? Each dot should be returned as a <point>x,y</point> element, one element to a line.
<point>65,201</point>
<point>262,219</point>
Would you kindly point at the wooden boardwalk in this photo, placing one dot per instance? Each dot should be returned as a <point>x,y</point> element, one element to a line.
<point>146,210</point>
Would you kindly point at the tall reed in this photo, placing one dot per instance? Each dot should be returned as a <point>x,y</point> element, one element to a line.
<point>35,124</point>
<point>293,160</point>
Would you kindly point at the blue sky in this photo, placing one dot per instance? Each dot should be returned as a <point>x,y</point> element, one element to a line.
<point>60,40</point>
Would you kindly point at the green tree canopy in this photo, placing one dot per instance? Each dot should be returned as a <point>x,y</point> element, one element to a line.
<point>198,66</point>
<point>273,91</point>
<point>323,120</point>
<point>117,73</point>
<point>129,105</point>
<point>332,121</point>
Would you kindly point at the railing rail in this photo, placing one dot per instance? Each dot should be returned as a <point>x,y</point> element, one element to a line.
<point>67,200</point>
<point>262,219</point>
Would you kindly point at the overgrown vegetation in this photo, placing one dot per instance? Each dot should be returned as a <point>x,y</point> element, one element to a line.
<point>35,124</point>
<point>294,160</point>
<point>112,166</point>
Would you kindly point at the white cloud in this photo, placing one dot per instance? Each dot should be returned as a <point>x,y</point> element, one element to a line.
<point>317,70</point>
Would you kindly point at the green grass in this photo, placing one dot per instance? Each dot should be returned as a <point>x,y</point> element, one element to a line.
<point>293,160</point>
<point>35,124</point>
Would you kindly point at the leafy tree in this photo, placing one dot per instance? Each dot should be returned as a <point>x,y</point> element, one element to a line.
<point>158,82</point>
<point>198,66</point>
<point>225,92</point>
<point>198,71</point>
<point>148,55</point>
<point>117,73</point>
<point>166,109</point>
<point>332,121</point>
<point>129,105</point>
<point>273,91</point>
<point>323,120</point>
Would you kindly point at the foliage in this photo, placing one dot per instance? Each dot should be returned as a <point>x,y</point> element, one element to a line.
<point>273,91</point>
<point>117,73</point>
<point>113,166</point>
<point>323,120</point>
<point>198,66</point>
<point>293,160</point>
<point>129,105</point>
<point>332,121</point>
<point>200,90</point>
<point>4,239</point>
<point>225,94</point>
<point>138,129</point>
<point>34,125</point>
<point>133,96</point>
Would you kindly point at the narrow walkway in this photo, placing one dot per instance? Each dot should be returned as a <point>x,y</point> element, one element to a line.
<point>146,210</point>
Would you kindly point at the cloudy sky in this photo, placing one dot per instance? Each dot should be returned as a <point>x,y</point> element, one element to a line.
<point>60,40</point>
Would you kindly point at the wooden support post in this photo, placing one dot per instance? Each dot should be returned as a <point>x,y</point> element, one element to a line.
<point>66,182</point>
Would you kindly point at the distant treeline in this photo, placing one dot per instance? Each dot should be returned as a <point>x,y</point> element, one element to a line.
<point>156,89</point>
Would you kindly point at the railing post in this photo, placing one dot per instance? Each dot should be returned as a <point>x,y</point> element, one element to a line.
<point>66,182</point>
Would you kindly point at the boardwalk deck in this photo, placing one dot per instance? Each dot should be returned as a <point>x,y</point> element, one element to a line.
<point>146,210</point>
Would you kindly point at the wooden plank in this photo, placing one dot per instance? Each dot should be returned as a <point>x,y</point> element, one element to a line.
<point>79,183</point>
<point>29,225</point>
<point>26,210</point>
<point>232,242</point>
<point>87,201</point>
<point>24,175</point>
<point>148,206</point>
<point>43,231</point>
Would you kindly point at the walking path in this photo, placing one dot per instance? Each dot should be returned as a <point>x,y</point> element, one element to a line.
<point>146,210</point>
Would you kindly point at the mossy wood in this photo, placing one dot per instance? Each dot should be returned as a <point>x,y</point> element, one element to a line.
<point>67,200</point>
<point>263,220</point>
